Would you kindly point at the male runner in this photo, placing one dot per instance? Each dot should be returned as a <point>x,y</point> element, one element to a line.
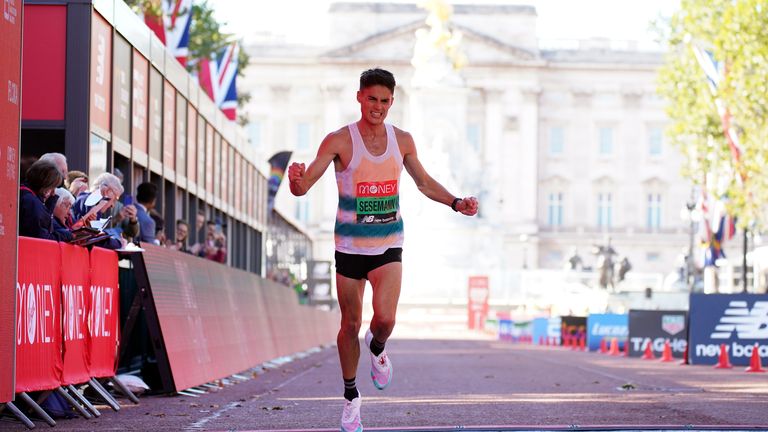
<point>368,156</point>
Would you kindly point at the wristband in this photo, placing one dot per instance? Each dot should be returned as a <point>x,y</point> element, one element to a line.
<point>453,204</point>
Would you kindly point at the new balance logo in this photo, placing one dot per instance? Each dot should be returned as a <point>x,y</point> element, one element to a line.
<point>749,324</point>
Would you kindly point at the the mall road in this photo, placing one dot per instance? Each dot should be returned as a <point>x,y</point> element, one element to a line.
<point>476,383</point>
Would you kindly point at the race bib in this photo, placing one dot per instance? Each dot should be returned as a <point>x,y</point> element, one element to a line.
<point>377,202</point>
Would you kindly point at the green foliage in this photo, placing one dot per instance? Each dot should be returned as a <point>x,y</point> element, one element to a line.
<point>736,31</point>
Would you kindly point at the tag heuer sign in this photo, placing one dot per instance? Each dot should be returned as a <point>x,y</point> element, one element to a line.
<point>673,324</point>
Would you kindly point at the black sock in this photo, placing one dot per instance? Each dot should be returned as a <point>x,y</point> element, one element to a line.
<point>350,389</point>
<point>376,346</point>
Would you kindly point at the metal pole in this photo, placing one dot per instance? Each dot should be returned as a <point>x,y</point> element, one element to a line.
<point>744,263</point>
<point>689,261</point>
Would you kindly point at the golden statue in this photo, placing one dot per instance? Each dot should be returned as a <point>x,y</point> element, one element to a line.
<point>437,55</point>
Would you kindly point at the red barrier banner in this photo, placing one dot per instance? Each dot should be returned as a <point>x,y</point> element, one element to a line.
<point>103,315</point>
<point>215,320</point>
<point>10,110</point>
<point>38,324</point>
<point>75,302</point>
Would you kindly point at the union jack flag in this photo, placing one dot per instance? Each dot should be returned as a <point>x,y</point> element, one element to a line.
<point>715,72</point>
<point>172,27</point>
<point>218,77</point>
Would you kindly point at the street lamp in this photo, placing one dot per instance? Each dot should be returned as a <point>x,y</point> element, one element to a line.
<point>692,216</point>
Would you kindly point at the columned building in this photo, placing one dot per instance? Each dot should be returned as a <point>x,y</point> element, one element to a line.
<point>563,143</point>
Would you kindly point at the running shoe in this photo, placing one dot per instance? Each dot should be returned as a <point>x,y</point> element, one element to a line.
<point>350,417</point>
<point>381,367</point>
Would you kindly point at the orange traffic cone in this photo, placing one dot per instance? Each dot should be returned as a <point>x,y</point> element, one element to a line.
<point>648,353</point>
<point>685,356</point>
<point>603,347</point>
<point>614,347</point>
<point>723,362</point>
<point>754,362</point>
<point>666,355</point>
<point>626,348</point>
<point>583,343</point>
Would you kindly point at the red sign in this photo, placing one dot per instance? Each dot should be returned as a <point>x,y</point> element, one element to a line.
<point>75,304</point>
<point>191,143</point>
<point>10,103</point>
<point>101,72</point>
<point>477,301</point>
<point>38,322</point>
<point>103,316</point>
<point>169,126</point>
<point>377,189</point>
<point>140,89</point>
<point>45,51</point>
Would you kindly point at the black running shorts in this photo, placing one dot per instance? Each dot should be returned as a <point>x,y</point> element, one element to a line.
<point>358,266</point>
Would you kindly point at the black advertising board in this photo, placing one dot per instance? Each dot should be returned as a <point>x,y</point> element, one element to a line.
<point>655,327</point>
<point>736,321</point>
<point>573,326</point>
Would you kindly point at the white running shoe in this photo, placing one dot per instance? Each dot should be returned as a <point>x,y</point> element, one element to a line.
<point>381,367</point>
<point>350,417</point>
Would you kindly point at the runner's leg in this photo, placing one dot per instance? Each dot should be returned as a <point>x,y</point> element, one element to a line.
<point>350,295</point>
<point>386,281</point>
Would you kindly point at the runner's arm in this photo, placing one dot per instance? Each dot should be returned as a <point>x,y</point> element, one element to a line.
<point>301,179</point>
<point>427,185</point>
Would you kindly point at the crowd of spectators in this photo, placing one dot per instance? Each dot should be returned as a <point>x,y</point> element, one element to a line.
<point>55,202</point>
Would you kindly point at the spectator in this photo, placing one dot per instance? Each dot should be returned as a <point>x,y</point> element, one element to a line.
<point>105,187</point>
<point>160,239</point>
<point>146,199</point>
<point>34,217</point>
<point>182,232</point>
<point>61,216</point>
<point>76,182</point>
<point>214,246</point>
<point>60,161</point>
<point>124,221</point>
<point>199,225</point>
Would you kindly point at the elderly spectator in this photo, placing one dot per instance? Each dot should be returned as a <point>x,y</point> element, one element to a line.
<point>76,182</point>
<point>42,178</point>
<point>182,232</point>
<point>146,199</point>
<point>107,188</point>
<point>61,216</point>
<point>59,160</point>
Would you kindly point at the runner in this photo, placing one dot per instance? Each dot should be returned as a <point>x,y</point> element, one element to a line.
<point>368,157</point>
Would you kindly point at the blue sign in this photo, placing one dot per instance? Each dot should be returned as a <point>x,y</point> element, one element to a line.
<point>734,321</point>
<point>505,329</point>
<point>545,328</point>
<point>607,326</point>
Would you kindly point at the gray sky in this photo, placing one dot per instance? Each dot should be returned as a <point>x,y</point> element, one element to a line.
<point>558,19</point>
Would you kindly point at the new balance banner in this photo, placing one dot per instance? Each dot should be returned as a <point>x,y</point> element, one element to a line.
<point>75,302</point>
<point>10,110</point>
<point>606,326</point>
<point>103,319</point>
<point>38,324</point>
<point>573,327</point>
<point>655,327</point>
<point>737,321</point>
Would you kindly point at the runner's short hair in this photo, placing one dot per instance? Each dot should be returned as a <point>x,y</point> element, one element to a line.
<point>376,76</point>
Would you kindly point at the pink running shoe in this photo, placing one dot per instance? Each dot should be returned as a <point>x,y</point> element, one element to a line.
<point>350,417</point>
<point>381,367</point>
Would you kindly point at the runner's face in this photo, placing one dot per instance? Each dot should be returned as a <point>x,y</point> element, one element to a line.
<point>374,103</point>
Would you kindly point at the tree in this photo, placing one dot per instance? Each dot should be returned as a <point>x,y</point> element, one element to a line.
<point>736,32</point>
<point>205,39</point>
